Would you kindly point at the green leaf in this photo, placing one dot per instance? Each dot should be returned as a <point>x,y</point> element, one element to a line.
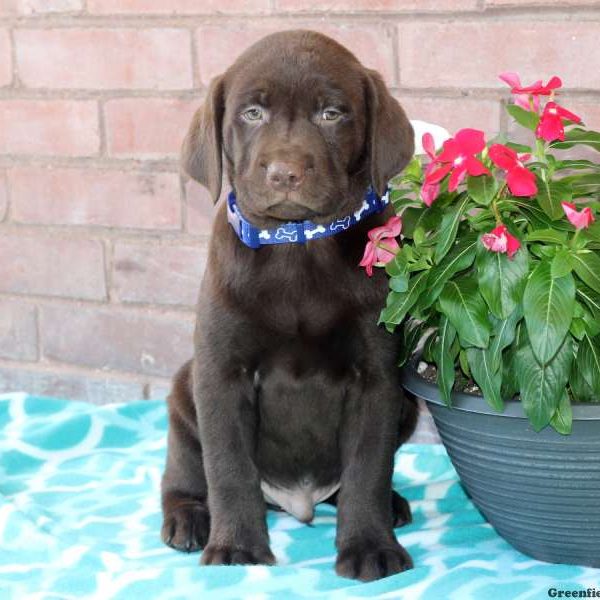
<point>562,419</point>
<point>461,257</point>
<point>588,362</point>
<point>504,335</point>
<point>523,117</point>
<point>398,304</point>
<point>444,359</point>
<point>578,328</point>
<point>410,218</point>
<point>592,233</point>
<point>464,306</point>
<point>577,136</point>
<point>486,377</point>
<point>576,164</point>
<point>551,194</point>
<point>399,283</point>
<point>464,362</point>
<point>586,184</point>
<point>587,267</point>
<point>422,218</point>
<point>550,236</point>
<point>412,332</point>
<point>539,219</point>
<point>510,385</point>
<point>502,279</point>
<point>542,386</point>
<point>413,169</point>
<point>399,264</point>
<point>591,299</point>
<point>521,148</point>
<point>592,324</point>
<point>482,188</point>
<point>581,391</point>
<point>561,263</point>
<point>549,305</point>
<point>448,229</point>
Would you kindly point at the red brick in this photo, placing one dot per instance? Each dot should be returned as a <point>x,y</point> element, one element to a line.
<point>455,113</point>
<point>41,7</point>
<point>147,127</point>
<point>52,267</point>
<point>158,274</point>
<point>104,58</point>
<point>60,383</point>
<point>463,55</point>
<point>126,340</point>
<point>5,58</point>
<point>587,109</point>
<point>3,196</point>
<point>8,8</point>
<point>132,199</point>
<point>375,5</point>
<point>18,331</point>
<point>165,7</point>
<point>49,127</point>
<point>372,44</point>
<point>558,3</point>
<point>200,208</point>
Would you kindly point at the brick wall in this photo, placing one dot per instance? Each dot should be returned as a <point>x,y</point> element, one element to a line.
<point>102,244</point>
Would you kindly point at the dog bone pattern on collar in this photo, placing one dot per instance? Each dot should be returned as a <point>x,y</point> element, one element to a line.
<point>300,232</point>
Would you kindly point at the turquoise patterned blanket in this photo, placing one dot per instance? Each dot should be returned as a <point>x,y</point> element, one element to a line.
<point>80,518</point>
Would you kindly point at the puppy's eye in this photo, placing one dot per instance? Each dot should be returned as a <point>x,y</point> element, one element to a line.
<point>331,114</point>
<point>254,113</point>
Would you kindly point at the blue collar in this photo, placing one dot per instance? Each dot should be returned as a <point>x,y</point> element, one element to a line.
<point>299,232</point>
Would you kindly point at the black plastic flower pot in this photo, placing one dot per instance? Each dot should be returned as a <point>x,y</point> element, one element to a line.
<point>540,491</point>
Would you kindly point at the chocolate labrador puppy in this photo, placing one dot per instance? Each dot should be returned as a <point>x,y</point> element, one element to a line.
<point>292,397</point>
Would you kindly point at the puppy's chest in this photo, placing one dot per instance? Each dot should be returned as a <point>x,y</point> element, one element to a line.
<point>300,294</point>
<point>302,390</point>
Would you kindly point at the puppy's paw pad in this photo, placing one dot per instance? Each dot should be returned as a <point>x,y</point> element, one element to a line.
<point>186,527</point>
<point>400,510</point>
<point>235,555</point>
<point>367,562</point>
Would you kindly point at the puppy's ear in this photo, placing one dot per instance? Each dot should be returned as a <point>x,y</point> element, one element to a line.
<point>201,153</point>
<point>389,133</point>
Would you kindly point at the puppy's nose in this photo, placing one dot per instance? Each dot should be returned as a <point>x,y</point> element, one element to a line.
<point>285,175</point>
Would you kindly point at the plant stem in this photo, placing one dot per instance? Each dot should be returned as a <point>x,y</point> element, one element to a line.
<point>495,206</point>
<point>574,238</point>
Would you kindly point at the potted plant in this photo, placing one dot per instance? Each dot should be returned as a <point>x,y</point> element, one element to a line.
<point>496,284</point>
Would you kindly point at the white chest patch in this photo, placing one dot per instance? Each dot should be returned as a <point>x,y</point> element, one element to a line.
<point>299,501</point>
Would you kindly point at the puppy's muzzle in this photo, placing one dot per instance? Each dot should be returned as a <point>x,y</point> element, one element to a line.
<point>285,176</point>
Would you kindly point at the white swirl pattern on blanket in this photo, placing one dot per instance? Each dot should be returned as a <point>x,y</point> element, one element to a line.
<point>80,518</point>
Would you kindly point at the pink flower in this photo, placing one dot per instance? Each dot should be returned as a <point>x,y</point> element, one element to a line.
<point>581,219</point>
<point>499,240</point>
<point>429,191</point>
<point>521,100</point>
<point>382,245</point>
<point>520,180</point>
<point>522,94</point>
<point>458,156</point>
<point>429,145</point>
<point>551,127</point>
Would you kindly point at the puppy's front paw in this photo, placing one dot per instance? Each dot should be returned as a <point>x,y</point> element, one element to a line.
<point>215,554</point>
<point>186,527</point>
<point>368,561</point>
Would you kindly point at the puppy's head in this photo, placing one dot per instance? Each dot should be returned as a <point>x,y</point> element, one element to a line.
<point>303,128</point>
